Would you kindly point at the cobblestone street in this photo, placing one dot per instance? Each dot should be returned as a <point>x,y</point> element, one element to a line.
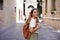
<point>14,32</point>
<point>14,13</point>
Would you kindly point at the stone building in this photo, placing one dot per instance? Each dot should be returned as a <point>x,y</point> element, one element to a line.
<point>29,4</point>
<point>15,11</point>
<point>23,9</point>
<point>51,13</point>
<point>7,13</point>
<point>12,11</point>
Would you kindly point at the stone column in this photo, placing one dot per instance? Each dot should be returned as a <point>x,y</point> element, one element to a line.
<point>49,7</point>
<point>43,7</point>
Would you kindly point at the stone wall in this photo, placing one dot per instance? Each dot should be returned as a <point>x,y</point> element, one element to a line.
<point>52,22</point>
<point>7,15</point>
<point>53,19</point>
<point>1,19</point>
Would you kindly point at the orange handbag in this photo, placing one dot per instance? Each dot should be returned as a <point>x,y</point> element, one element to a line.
<point>26,32</point>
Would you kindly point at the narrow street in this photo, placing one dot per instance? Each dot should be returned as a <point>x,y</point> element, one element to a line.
<point>13,14</point>
<point>14,32</point>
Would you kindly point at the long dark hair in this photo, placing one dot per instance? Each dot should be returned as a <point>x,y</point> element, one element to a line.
<point>29,18</point>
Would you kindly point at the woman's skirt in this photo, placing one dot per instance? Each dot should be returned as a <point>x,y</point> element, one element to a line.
<point>34,36</point>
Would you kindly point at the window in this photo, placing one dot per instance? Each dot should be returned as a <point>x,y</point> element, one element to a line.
<point>1,4</point>
<point>15,9</point>
<point>30,6</point>
<point>24,9</point>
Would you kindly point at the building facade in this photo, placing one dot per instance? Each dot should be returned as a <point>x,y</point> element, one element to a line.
<point>24,7</point>
<point>18,10</point>
<point>29,4</point>
<point>51,13</point>
<point>7,13</point>
<point>15,11</point>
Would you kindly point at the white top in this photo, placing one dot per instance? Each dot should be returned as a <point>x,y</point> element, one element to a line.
<point>32,23</point>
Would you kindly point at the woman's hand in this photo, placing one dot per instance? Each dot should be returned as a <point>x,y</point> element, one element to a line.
<point>38,25</point>
<point>35,29</point>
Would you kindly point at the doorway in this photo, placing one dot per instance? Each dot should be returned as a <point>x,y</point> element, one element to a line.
<point>39,7</point>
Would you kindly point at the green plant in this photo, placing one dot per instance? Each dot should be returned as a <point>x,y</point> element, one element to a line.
<point>45,12</point>
<point>52,10</point>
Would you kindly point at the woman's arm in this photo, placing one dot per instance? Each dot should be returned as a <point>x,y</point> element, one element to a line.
<point>35,29</point>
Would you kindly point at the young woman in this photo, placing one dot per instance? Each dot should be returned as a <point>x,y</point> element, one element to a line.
<point>33,22</point>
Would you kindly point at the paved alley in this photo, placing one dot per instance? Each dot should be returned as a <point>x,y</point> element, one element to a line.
<point>14,32</point>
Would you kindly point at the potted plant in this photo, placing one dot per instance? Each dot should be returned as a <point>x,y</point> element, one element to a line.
<point>45,11</point>
<point>52,10</point>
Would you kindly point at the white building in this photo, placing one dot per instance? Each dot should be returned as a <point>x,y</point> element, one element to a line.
<point>29,4</point>
<point>25,8</point>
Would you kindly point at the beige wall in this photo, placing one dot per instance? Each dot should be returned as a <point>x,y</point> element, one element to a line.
<point>52,19</point>
<point>7,15</point>
<point>1,19</point>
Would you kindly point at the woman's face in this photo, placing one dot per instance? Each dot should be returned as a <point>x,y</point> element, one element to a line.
<point>35,13</point>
